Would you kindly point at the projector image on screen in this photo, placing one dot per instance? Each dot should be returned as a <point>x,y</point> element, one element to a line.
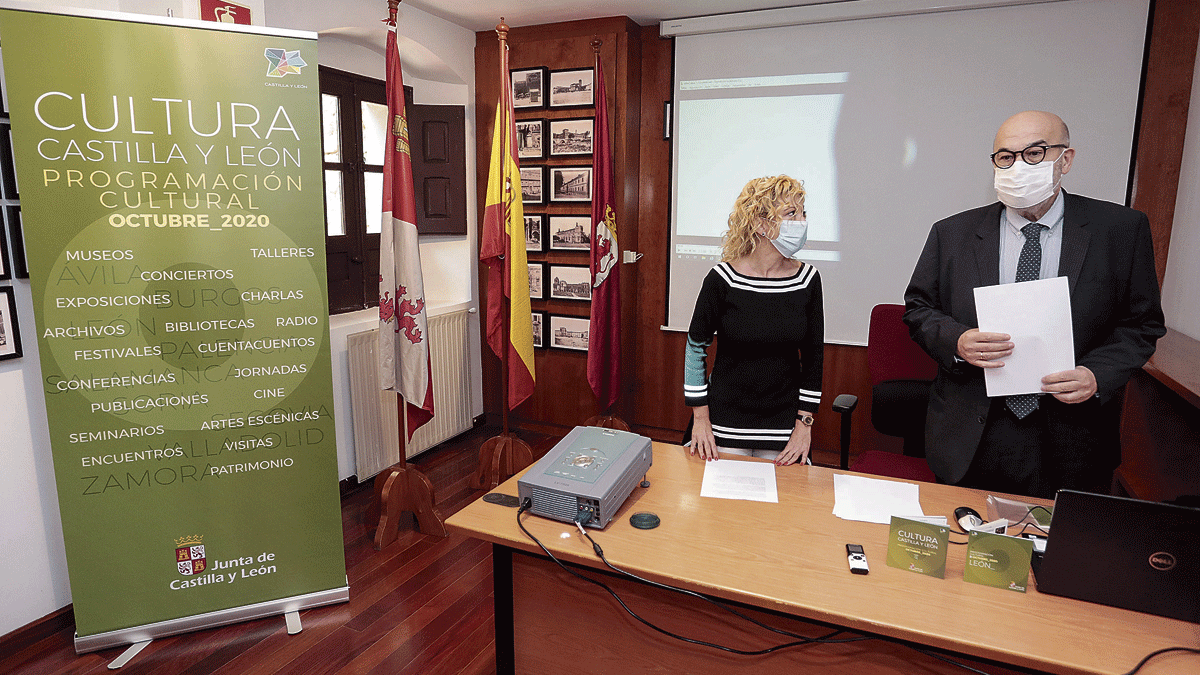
<point>591,467</point>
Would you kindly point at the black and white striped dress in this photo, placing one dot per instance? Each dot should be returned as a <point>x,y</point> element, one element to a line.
<point>770,349</point>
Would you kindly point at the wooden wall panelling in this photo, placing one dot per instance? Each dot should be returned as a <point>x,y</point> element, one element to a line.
<point>1162,122</point>
<point>562,396</point>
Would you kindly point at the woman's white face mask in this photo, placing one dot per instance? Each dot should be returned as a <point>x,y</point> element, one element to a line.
<point>793,234</point>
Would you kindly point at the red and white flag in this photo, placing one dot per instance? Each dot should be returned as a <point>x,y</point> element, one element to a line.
<point>604,344</point>
<point>403,328</point>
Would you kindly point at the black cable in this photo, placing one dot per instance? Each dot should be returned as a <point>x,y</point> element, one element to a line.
<point>1151,655</point>
<point>525,506</point>
<point>802,640</point>
<point>824,639</point>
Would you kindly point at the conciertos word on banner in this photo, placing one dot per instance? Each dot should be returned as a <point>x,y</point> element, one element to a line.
<point>171,191</point>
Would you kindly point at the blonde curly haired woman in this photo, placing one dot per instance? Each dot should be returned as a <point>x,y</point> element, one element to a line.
<point>767,309</point>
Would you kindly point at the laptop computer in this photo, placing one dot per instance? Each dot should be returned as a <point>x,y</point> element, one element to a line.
<point>1126,553</point>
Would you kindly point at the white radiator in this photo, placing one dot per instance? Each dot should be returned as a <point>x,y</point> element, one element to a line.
<point>376,430</point>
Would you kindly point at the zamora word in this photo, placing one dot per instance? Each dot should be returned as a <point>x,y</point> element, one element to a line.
<point>114,382</point>
<point>115,434</point>
<point>208,324</point>
<point>150,403</point>
<point>244,467</point>
<point>157,299</point>
<point>132,456</point>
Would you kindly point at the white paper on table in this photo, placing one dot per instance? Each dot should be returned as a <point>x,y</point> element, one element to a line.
<point>874,501</point>
<point>1037,314</point>
<point>734,479</point>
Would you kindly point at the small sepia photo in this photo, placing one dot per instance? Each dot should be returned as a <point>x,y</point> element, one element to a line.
<point>539,328</point>
<point>533,185</point>
<point>10,334</point>
<point>570,88</point>
<point>531,139</point>
<point>571,136</point>
<point>570,183</point>
<point>535,232</point>
<point>571,282</point>
<point>569,332</point>
<point>537,281</point>
<point>570,233</point>
<point>529,88</point>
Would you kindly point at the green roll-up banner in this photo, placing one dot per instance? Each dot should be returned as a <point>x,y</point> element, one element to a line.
<point>171,193</point>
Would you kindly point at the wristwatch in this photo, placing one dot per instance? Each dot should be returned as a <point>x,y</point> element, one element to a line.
<point>806,419</point>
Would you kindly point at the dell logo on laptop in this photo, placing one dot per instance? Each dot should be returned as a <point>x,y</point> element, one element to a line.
<point>1162,561</point>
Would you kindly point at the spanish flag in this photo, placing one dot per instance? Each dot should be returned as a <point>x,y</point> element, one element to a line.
<point>504,254</point>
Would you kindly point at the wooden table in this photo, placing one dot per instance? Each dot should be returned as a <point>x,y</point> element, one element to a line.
<point>786,563</point>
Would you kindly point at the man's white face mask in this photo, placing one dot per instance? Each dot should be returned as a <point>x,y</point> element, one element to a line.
<point>1021,186</point>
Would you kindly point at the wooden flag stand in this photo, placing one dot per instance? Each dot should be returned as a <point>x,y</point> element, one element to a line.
<point>400,488</point>
<point>503,455</point>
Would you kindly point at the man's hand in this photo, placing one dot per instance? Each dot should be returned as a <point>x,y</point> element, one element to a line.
<point>1071,386</point>
<point>985,350</point>
<point>703,442</point>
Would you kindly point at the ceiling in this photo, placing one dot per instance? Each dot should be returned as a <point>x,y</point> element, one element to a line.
<point>479,15</point>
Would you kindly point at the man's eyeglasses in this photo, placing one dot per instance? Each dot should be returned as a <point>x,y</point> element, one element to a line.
<point>1034,154</point>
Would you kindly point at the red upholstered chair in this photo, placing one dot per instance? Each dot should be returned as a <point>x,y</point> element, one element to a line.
<point>901,375</point>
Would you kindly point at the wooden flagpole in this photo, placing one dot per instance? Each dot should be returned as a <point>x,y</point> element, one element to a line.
<point>503,455</point>
<point>401,488</point>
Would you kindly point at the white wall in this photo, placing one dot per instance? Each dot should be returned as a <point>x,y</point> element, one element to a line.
<point>33,573</point>
<point>1181,302</point>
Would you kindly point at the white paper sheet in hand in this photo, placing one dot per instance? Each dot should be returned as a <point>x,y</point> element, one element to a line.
<point>872,500</point>
<point>735,479</point>
<point>1037,314</point>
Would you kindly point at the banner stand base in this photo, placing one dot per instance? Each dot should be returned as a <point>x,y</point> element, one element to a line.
<point>293,622</point>
<point>127,655</point>
<point>148,632</point>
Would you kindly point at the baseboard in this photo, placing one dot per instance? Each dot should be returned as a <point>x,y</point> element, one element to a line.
<point>30,634</point>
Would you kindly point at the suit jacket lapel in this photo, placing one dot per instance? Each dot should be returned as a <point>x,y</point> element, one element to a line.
<point>1075,240</point>
<point>987,246</point>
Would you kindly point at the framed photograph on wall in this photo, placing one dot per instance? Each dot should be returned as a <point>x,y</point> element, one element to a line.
<point>533,185</point>
<point>572,88</point>
<point>16,240</point>
<point>571,136</point>
<point>537,281</point>
<point>535,232</point>
<point>569,183</point>
<point>528,88</point>
<point>531,139</point>
<point>569,332</point>
<point>539,329</point>
<point>5,269</point>
<point>571,282</point>
<point>570,233</point>
<point>8,179</point>
<point>10,333</point>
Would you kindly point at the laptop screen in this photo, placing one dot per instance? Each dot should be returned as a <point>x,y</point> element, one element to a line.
<point>1126,553</point>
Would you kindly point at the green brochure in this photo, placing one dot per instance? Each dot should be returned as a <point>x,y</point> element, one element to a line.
<point>918,547</point>
<point>998,560</point>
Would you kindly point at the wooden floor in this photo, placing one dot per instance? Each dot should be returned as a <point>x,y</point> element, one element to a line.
<point>421,605</point>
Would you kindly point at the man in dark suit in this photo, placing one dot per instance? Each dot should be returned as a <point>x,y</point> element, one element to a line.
<point>1068,436</point>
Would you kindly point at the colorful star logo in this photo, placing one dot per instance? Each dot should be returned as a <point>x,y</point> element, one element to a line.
<point>283,62</point>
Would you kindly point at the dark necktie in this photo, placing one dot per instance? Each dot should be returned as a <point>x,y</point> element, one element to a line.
<point>1029,268</point>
